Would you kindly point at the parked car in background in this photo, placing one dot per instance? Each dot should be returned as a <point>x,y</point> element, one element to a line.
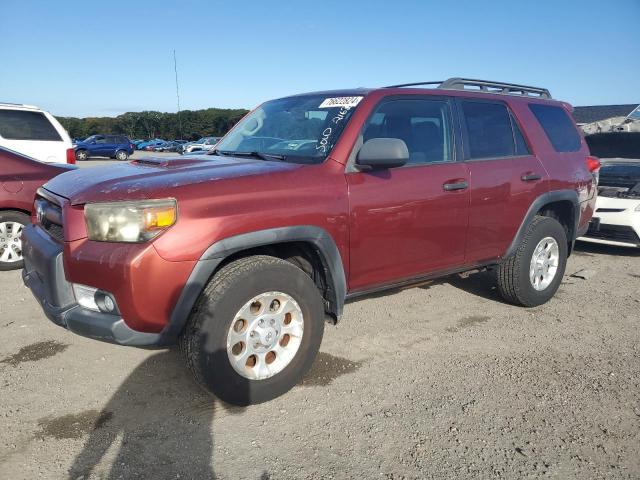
<point>20,177</point>
<point>150,143</point>
<point>243,258</point>
<point>616,220</point>
<point>33,132</point>
<point>172,146</point>
<point>112,146</point>
<point>204,143</point>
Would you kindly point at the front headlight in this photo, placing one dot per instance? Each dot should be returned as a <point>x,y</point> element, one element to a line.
<point>136,221</point>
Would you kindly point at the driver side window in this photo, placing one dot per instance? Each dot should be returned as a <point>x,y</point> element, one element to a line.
<point>424,126</point>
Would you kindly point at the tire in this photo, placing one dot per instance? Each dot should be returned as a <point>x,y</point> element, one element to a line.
<point>514,272</point>
<point>10,248</point>
<point>81,155</point>
<point>122,155</point>
<point>204,342</point>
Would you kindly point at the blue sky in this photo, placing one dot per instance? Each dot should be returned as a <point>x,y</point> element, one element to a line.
<point>83,58</point>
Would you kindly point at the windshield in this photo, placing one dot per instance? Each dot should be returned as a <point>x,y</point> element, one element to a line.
<point>301,129</point>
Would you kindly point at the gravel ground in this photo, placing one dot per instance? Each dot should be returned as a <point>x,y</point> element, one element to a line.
<point>405,387</point>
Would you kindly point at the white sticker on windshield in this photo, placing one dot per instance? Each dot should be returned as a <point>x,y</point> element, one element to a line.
<point>346,102</point>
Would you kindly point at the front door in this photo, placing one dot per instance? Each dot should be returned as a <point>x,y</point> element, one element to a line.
<point>409,221</point>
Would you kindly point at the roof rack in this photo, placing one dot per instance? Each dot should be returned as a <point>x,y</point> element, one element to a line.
<point>17,105</point>
<point>484,86</point>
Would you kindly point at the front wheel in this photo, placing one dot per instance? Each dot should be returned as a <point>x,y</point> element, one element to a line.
<point>81,155</point>
<point>255,330</point>
<point>532,275</point>
<point>121,155</point>
<point>11,226</point>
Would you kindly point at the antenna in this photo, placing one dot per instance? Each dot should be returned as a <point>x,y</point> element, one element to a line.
<point>175,69</point>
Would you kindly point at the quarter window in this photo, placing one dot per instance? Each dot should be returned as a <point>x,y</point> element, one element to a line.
<point>559,128</point>
<point>521,144</point>
<point>489,133</point>
<point>424,125</point>
<point>24,125</point>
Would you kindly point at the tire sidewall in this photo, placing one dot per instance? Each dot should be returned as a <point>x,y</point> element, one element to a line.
<point>219,375</point>
<point>82,155</point>
<point>19,217</point>
<point>122,152</point>
<point>548,227</point>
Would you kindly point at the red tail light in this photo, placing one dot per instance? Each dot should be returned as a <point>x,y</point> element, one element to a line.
<point>593,164</point>
<point>71,156</point>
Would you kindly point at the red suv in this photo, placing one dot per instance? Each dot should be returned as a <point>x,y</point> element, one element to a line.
<point>241,255</point>
<point>20,177</point>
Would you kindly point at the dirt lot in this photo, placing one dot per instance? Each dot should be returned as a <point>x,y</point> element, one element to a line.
<point>438,381</point>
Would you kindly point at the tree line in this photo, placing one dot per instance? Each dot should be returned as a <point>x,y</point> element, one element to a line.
<point>188,125</point>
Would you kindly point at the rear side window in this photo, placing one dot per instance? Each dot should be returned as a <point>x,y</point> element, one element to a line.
<point>558,126</point>
<point>24,125</point>
<point>489,133</point>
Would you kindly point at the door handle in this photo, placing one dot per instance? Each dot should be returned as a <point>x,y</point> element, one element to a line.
<point>530,177</point>
<point>461,185</point>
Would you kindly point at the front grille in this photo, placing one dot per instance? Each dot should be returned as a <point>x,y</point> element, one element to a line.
<point>49,217</point>
<point>617,233</point>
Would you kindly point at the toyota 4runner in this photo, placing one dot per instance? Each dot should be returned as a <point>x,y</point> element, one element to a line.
<point>241,255</point>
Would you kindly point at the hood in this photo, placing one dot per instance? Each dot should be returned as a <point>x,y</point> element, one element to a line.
<point>154,177</point>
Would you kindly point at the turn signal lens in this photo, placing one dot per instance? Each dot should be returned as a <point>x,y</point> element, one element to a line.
<point>156,218</point>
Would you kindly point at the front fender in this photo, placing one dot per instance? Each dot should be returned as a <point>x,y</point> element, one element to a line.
<point>218,251</point>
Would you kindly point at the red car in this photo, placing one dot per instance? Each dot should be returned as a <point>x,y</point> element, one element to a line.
<point>241,255</point>
<point>20,177</point>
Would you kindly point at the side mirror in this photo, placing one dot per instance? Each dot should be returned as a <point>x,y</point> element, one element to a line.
<point>382,153</point>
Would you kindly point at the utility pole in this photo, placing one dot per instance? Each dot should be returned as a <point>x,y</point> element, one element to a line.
<point>175,69</point>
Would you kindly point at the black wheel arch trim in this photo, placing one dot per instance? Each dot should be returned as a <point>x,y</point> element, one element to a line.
<point>537,205</point>
<point>222,249</point>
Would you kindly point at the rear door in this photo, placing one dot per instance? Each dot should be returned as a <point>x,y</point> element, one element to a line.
<point>505,177</point>
<point>409,221</point>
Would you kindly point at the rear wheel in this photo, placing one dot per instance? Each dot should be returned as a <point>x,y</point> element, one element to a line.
<point>122,155</point>
<point>11,226</point>
<point>255,330</point>
<point>81,155</point>
<point>532,275</point>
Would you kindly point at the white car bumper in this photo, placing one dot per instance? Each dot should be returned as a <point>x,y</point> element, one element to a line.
<point>616,221</point>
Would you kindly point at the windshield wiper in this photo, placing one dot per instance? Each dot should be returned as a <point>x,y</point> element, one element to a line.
<point>260,155</point>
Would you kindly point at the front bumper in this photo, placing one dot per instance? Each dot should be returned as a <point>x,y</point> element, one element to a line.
<point>615,222</point>
<point>44,274</point>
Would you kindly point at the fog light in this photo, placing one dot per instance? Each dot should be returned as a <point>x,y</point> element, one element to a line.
<point>108,304</point>
<point>86,296</point>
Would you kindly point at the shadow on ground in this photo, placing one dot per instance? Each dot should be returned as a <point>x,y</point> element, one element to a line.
<point>158,424</point>
<point>147,424</point>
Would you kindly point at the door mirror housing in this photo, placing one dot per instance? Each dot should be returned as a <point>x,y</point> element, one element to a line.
<point>380,153</point>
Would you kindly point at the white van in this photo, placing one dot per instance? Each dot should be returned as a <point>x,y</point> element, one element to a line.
<point>28,130</point>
